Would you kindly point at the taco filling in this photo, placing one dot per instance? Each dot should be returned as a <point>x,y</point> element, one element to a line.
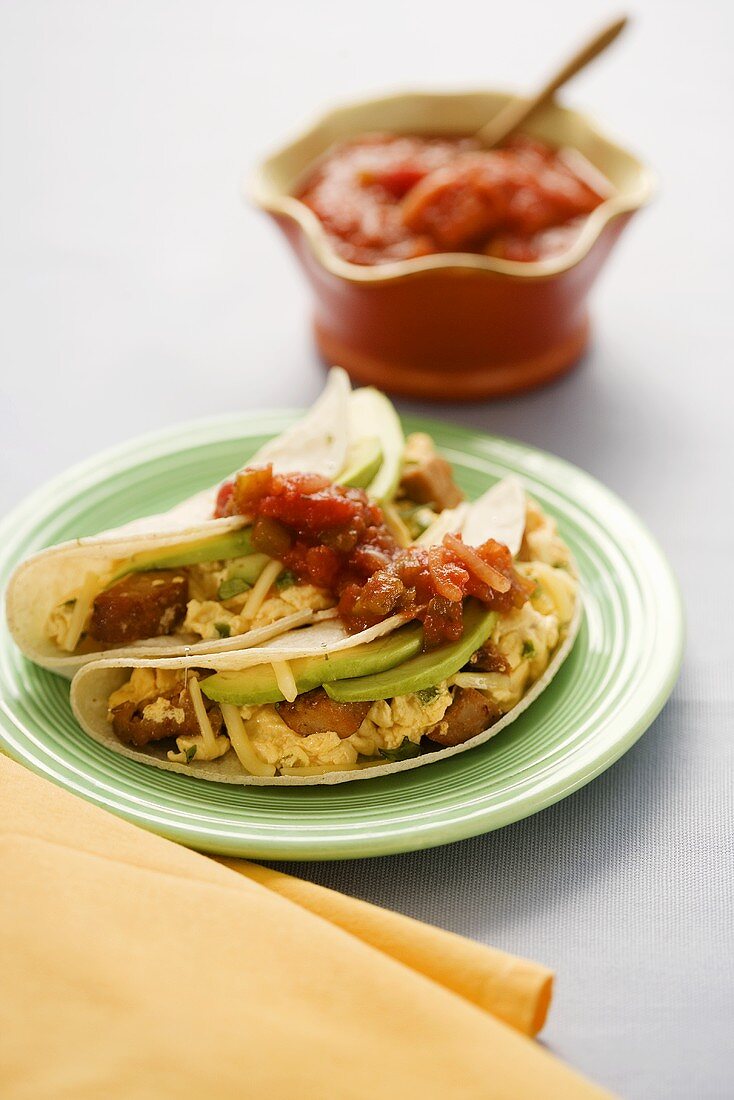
<point>206,601</point>
<point>307,540</point>
<point>475,626</point>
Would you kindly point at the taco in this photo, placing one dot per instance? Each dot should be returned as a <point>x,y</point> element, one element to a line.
<point>208,575</point>
<point>436,649</point>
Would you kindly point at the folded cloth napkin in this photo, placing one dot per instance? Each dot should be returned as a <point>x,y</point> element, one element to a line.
<point>133,967</point>
<point>515,990</point>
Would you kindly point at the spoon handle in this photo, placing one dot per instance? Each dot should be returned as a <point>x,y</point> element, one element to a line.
<point>514,113</point>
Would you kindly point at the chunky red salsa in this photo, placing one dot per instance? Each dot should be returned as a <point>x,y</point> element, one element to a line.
<point>384,197</point>
<point>337,538</point>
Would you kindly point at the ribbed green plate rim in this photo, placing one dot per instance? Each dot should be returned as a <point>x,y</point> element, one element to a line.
<point>612,686</point>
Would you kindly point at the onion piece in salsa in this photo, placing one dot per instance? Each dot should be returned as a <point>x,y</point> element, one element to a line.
<point>336,538</point>
<point>386,197</point>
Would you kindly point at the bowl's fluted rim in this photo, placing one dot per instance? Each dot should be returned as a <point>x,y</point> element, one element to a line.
<point>260,190</point>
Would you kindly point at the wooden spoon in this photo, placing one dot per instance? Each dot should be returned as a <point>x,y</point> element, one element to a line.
<point>517,111</point>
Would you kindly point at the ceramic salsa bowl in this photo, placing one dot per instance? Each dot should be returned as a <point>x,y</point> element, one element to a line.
<point>454,325</point>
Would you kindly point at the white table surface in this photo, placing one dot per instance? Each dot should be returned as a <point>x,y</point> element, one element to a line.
<point>137,291</point>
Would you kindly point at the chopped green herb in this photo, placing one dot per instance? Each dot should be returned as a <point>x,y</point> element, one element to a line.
<point>232,587</point>
<point>538,592</point>
<point>404,751</point>
<point>69,603</point>
<point>427,695</point>
<point>286,580</point>
<point>528,649</point>
<point>190,753</point>
<point>561,565</point>
<point>223,629</point>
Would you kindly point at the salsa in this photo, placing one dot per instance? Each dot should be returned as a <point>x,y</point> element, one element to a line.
<point>337,538</point>
<point>386,197</point>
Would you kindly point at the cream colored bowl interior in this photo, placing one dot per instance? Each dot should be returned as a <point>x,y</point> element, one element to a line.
<point>428,112</point>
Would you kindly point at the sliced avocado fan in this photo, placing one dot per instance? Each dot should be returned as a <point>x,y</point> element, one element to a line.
<point>371,413</point>
<point>423,671</point>
<point>363,462</point>
<point>258,684</point>
<point>233,544</point>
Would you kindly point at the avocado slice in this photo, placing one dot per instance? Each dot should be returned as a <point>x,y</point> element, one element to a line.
<point>251,686</point>
<point>363,462</point>
<point>423,671</point>
<point>249,569</point>
<point>241,575</point>
<point>369,406</point>
<point>233,544</point>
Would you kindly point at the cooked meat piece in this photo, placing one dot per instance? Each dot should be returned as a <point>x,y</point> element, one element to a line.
<point>132,727</point>
<point>432,483</point>
<point>488,659</point>
<point>427,477</point>
<point>315,712</point>
<point>141,605</point>
<point>469,714</point>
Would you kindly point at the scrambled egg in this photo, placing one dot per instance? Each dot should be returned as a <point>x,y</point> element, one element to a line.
<point>147,683</point>
<point>57,625</point>
<point>296,598</point>
<point>154,684</point>
<point>205,577</point>
<point>162,709</point>
<point>555,591</point>
<point>542,543</point>
<point>195,748</point>
<point>388,723</point>
<point>276,743</point>
<point>202,616</point>
<point>526,637</point>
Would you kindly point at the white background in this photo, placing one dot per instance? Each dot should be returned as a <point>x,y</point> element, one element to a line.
<point>137,291</point>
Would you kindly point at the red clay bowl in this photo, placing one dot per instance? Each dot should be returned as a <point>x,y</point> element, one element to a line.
<point>453,326</point>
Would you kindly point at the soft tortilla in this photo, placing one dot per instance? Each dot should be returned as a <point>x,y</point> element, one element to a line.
<point>93,685</point>
<point>43,581</point>
<point>317,442</point>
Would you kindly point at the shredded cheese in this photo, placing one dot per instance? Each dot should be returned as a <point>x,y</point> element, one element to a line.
<point>82,609</point>
<point>482,681</point>
<point>260,589</point>
<point>285,680</point>
<point>446,522</point>
<point>395,525</point>
<point>207,733</point>
<point>327,613</point>
<point>241,743</point>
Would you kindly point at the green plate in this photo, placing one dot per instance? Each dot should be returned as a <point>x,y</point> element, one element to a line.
<point>616,680</point>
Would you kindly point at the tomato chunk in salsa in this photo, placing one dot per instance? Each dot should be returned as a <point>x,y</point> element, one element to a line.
<point>384,197</point>
<point>337,539</point>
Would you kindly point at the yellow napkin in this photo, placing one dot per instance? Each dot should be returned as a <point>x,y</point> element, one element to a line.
<point>512,989</point>
<point>132,967</point>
